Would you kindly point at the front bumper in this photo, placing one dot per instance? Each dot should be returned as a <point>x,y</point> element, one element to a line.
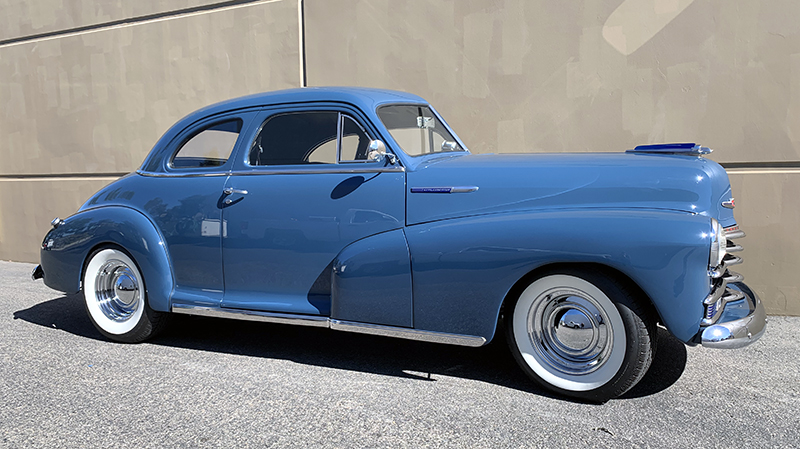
<point>37,273</point>
<point>741,322</point>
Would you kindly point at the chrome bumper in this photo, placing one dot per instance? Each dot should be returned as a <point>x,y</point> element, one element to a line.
<point>37,273</point>
<point>740,323</point>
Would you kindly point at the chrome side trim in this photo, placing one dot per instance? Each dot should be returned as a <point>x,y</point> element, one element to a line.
<point>302,171</point>
<point>251,315</point>
<point>339,325</point>
<point>181,175</point>
<point>409,334</point>
<point>457,189</point>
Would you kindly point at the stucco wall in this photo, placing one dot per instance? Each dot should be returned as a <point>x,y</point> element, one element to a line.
<point>87,86</point>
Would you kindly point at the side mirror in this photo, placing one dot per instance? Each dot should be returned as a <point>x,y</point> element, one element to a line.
<point>449,145</point>
<point>377,152</point>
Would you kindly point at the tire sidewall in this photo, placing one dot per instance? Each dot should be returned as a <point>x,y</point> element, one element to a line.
<point>116,330</point>
<point>624,350</point>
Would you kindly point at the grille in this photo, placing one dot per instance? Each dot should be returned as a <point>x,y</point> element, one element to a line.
<point>721,293</point>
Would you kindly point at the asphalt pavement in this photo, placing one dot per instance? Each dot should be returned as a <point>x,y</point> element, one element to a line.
<point>219,383</point>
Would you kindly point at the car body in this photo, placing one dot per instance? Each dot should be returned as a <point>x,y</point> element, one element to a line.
<point>360,210</point>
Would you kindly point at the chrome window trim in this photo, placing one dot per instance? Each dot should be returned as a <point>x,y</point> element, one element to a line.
<point>335,168</point>
<point>205,126</point>
<point>339,135</point>
<point>464,149</point>
<point>342,117</point>
<point>273,171</point>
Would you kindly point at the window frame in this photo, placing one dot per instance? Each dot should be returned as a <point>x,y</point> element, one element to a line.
<point>338,165</point>
<point>199,130</point>
<point>449,129</point>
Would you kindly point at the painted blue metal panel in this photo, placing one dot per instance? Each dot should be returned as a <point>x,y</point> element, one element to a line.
<point>463,268</point>
<point>372,281</point>
<point>62,260</point>
<point>282,236</point>
<point>186,211</point>
<point>562,181</point>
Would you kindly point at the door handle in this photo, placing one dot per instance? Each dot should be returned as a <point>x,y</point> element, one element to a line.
<point>231,191</point>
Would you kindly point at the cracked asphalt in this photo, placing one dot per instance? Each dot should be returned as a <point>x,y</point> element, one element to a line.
<point>219,383</point>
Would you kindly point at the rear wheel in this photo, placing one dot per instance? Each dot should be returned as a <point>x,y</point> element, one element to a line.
<point>115,297</point>
<point>582,334</point>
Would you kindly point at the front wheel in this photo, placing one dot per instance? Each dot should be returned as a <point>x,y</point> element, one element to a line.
<point>582,334</point>
<point>115,297</point>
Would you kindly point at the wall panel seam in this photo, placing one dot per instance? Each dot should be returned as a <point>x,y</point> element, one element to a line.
<point>133,21</point>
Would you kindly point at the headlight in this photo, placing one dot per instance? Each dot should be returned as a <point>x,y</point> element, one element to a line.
<point>718,245</point>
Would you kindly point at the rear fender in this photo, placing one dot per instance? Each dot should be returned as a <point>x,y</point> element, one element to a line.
<point>66,248</point>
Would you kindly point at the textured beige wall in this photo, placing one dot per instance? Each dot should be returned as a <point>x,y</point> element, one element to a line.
<point>28,205</point>
<point>768,210</point>
<point>537,75</point>
<point>98,101</point>
<point>95,102</point>
<point>22,18</point>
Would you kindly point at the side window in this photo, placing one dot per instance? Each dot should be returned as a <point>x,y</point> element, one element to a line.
<point>296,138</point>
<point>210,147</point>
<point>354,141</point>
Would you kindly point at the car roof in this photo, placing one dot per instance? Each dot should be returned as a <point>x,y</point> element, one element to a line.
<point>364,98</point>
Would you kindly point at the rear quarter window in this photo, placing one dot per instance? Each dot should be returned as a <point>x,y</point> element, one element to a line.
<point>210,147</point>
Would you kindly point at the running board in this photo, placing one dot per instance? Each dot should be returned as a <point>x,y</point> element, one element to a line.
<point>339,325</point>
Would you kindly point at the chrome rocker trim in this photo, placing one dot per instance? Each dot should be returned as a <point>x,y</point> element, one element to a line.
<point>252,315</point>
<point>339,325</point>
<point>740,332</point>
<point>408,334</point>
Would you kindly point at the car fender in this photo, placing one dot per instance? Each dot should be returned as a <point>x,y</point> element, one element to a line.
<point>463,269</point>
<point>371,281</point>
<point>66,247</point>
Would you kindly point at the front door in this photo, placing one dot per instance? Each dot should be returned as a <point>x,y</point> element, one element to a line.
<point>301,193</point>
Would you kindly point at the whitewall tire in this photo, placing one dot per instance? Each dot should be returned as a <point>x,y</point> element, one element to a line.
<point>582,334</point>
<point>115,297</point>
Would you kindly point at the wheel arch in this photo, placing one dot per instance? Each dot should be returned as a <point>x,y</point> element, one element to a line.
<point>124,228</point>
<point>565,268</point>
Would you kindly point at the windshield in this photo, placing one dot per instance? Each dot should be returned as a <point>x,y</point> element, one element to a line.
<point>417,129</point>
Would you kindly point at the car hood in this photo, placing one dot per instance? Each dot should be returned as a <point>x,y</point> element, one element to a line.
<point>516,182</point>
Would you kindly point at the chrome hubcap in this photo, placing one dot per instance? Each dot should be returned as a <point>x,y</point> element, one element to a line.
<point>569,331</point>
<point>117,290</point>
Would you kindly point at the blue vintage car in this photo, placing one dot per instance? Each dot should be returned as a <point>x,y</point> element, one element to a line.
<point>360,210</point>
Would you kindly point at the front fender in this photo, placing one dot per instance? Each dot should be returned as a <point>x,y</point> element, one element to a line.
<point>65,249</point>
<point>463,269</point>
